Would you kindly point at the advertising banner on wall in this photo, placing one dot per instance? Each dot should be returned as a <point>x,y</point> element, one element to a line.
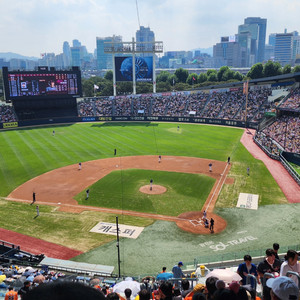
<point>143,68</point>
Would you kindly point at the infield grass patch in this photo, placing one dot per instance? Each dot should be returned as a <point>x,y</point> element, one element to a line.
<point>120,190</point>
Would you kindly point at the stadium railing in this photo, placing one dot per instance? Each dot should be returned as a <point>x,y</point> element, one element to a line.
<point>291,171</point>
<point>232,258</point>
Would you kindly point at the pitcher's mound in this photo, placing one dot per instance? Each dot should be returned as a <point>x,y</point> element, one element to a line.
<point>156,189</point>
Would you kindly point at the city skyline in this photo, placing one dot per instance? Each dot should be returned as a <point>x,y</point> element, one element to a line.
<point>33,27</point>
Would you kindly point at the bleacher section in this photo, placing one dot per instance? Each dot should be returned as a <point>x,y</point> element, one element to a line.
<point>229,104</point>
<point>7,114</point>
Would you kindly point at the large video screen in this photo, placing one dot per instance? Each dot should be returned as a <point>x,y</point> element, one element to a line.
<point>35,84</point>
<point>143,68</point>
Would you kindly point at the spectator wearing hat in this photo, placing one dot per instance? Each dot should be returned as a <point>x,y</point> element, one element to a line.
<point>198,289</point>
<point>177,272</point>
<point>283,288</point>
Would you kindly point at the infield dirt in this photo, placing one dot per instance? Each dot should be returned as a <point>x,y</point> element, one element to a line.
<point>58,187</point>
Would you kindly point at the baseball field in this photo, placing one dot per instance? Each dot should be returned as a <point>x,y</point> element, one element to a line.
<point>31,153</point>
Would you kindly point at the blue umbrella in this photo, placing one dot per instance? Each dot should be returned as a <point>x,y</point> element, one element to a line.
<point>30,278</point>
<point>164,276</point>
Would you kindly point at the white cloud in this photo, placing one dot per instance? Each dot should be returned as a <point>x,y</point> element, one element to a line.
<point>31,27</point>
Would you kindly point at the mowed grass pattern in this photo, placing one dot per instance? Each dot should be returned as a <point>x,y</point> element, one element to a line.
<point>29,152</point>
<point>120,189</point>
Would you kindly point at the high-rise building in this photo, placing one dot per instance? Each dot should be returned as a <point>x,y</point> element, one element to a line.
<point>75,56</point>
<point>76,43</point>
<point>262,25</point>
<point>248,36</point>
<point>284,47</point>
<point>272,37</point>
<point>144,34</point>
<point>67,53</point>
<point>244,40</point>
<point>227,53</point>
<point>104,60</point>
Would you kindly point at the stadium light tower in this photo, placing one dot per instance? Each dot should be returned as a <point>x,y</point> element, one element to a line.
<point>133,48</point>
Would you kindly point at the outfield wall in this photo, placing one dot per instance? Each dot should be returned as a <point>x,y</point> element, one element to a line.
<point>196,120</point>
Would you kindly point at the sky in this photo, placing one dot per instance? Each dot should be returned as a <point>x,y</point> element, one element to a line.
<point>32,27</point>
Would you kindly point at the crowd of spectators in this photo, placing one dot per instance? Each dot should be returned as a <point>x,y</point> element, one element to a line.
<point>235,102</point>
<point>176,106</point>
<point>7,114</point>
<point>196,103</point>
<point>103,107</point>
<point>214,105</point>
<point>141,104</point>
<point>268,143</point>
<point>41,284</point>
<point>222,105</point>
<point>159,106</point>
<point>285,131</point>
<point>293,101</point>
<point>86,108</point>
<point>256,99</point>
<point>123,106</point>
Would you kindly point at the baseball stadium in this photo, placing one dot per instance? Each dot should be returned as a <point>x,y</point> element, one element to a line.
<point>130,184</point>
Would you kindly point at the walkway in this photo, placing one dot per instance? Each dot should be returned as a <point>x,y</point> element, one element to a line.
<point>287,184</point>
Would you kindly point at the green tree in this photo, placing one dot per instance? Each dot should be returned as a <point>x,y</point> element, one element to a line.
<point>109,75</point>
<point>182,75</point>
<point>124,87</point>
<point>87,88</point>
<point>296,69</point>
<point>212,77</point>
<point>272,69</point>
<point>227,75</point>
<point>211,71</point>
<point>238,76</point>
<point>202,77</point>
<point>256,71</point>
<point>287,69</point>
<point>163,87</point>
<point>144,88</point>
<point>180,86</point>
<point>222,70</point>
<point>163,76</point>
<point>108,89</point>
<point>192,79</point>
<point>173,80</point>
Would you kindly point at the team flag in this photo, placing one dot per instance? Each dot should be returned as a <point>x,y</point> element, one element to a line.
<point>245,87</point>
<point>194,78</point>
<point>96,87</point>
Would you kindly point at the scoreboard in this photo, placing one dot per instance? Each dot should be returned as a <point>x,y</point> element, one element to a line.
<point>41,84</point>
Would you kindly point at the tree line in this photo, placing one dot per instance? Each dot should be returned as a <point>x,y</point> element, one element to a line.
<point>181,80</point>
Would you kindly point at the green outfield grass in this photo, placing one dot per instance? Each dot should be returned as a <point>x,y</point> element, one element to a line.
<point>120,189</point>
<point>29,152</point>
<point>295,167</point>
<point>68,229</point>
